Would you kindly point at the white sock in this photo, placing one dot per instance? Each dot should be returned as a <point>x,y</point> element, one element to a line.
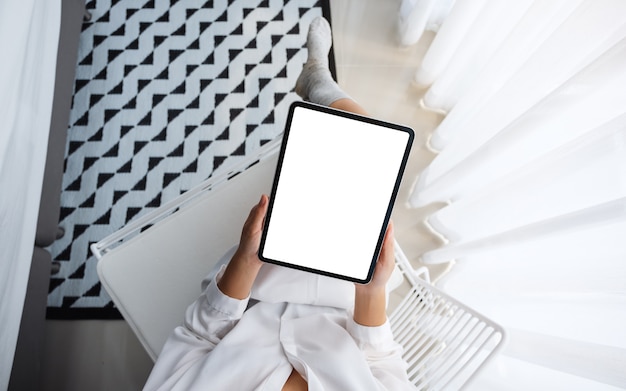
<point>315,83</point>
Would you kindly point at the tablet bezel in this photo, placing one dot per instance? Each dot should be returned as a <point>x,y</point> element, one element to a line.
<point>392,198</point>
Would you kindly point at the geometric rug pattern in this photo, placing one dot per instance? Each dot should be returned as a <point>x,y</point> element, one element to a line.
<point>167,93</point>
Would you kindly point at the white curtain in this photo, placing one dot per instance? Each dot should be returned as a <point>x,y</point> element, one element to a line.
<point>532,163</point>
<point>29,33</point>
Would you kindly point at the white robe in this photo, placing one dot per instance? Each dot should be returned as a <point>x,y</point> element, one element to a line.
<point>302,321</point>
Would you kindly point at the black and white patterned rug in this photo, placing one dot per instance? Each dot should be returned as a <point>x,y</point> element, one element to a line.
<point>167,92</point>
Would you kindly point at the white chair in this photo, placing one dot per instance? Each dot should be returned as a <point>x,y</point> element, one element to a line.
<point>153,274</point>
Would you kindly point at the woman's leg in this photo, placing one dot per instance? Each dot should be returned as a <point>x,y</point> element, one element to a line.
<point>348,104</point>
<point>316,83</point>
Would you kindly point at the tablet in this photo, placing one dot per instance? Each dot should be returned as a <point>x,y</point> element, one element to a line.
<point>336,181</point>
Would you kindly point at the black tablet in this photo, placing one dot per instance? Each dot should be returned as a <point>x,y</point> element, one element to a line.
<point>336,181</point>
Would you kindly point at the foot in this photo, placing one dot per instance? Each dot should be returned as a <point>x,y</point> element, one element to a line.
<point>319,41</point>
<point>315,83</point>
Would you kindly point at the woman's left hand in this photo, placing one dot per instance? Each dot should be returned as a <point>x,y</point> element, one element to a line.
<point>384,264</point>
<point>370,301</point>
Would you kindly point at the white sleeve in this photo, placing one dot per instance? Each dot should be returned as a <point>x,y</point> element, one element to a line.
<point>206,322</point>
<point>382,353</point>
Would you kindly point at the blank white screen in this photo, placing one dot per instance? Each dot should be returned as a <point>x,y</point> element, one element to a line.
<point>335,184</point>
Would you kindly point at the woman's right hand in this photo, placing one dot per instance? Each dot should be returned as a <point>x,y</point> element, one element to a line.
<point>251,234</point>
<point>237,280</point>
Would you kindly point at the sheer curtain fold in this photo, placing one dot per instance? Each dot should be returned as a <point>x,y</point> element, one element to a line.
<point>578,354</point>
<point>583,102</point>
<point>539,22</point>
<point>448,39</point>
<point>592,167</point>
<point>29,32</point>
<point>532,165</point>
<point>576,230</point>
<point>556,54</point>
<point>474,51</point>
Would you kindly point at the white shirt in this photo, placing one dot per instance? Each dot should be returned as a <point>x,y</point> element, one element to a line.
<point>302,321</point>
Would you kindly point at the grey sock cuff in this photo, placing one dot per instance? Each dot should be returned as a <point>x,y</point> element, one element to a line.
<point>331,92</point>
<point>317,85</point>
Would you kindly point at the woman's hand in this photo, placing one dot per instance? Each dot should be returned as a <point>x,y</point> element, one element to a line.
<point>244,266</point>
<point>251,234</point>
<point>370,301</point>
